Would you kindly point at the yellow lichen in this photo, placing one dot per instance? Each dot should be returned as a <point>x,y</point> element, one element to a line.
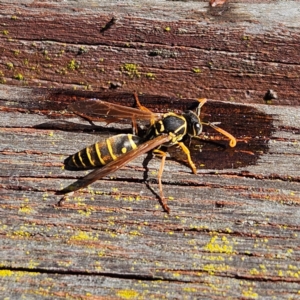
<point>150,75</point>
<point>213,258</point>
<point>254,271</point>
<point>135,232</point>
<point>20,233</point>
<point>249,293</point>
<point>211,268</point>
<point>73,65</point>
<point>10,65</point>
<point>127,294</point>
<point>82,236</point>
<point>32,264</point>
<point>131,70</point>
<point>196,70</point>
<point>85,213</point>
<point>189,290</point>
<point>6,273</point>
<point>19,76</point>
<point>18,274</point>
<point>216,246</point>
<point>25,209</point>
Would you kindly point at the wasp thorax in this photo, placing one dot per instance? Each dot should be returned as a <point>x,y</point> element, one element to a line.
<point>194,126</point>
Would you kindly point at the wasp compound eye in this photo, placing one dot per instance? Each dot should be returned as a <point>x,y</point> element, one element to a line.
<point>197,128</point>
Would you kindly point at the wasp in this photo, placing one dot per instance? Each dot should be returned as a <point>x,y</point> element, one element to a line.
<point>164,130</point>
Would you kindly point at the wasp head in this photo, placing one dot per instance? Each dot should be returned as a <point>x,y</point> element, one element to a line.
<point>194,126</point>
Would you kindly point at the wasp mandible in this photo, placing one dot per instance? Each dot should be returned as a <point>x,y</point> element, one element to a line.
<point>113,153</point>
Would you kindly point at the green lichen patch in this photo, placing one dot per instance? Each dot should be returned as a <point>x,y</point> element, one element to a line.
<point>131,70</point>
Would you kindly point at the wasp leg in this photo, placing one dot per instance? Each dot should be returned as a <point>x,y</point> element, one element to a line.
<point>135,128</point>
<point>163,156</point>
<point>139,105</point>
<point>142,107</point>
<point>90,120</point>
<point>187,153</point>
<point>63,199</point>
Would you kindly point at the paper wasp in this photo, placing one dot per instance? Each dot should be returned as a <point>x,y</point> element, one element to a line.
<point>110,155</point>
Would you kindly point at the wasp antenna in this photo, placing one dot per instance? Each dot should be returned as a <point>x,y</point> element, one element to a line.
<point>201,101</point>
<point>232,139</point>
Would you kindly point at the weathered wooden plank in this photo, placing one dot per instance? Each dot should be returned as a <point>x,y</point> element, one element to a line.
<point>178,48</point>
<point>234,227</point>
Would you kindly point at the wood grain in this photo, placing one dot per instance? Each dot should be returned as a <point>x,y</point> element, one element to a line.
<point>232,227</point>
<point>233,231</point>
<point>236,52</point>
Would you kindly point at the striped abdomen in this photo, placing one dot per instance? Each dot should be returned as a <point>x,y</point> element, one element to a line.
<point>101,153</point>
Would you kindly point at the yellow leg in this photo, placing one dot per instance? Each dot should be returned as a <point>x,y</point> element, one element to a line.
<point>142,107</point>
<point>163,156</point>
<point>187,152</point>
<point>139,105</point>
<point>135,128</point>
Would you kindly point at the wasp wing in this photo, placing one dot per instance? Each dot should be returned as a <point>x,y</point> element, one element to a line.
<point>98,110</point>
<point>116,164</point>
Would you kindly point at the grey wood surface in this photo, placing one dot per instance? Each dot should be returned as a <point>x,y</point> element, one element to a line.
<point>233,231</point>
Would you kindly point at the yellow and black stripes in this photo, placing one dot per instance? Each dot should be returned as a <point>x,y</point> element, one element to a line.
<point>101,153</point>
<point>97,155</point>
<point>171,123</point>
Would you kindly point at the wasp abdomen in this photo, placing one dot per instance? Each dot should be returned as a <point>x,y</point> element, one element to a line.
<point>101,153</point>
